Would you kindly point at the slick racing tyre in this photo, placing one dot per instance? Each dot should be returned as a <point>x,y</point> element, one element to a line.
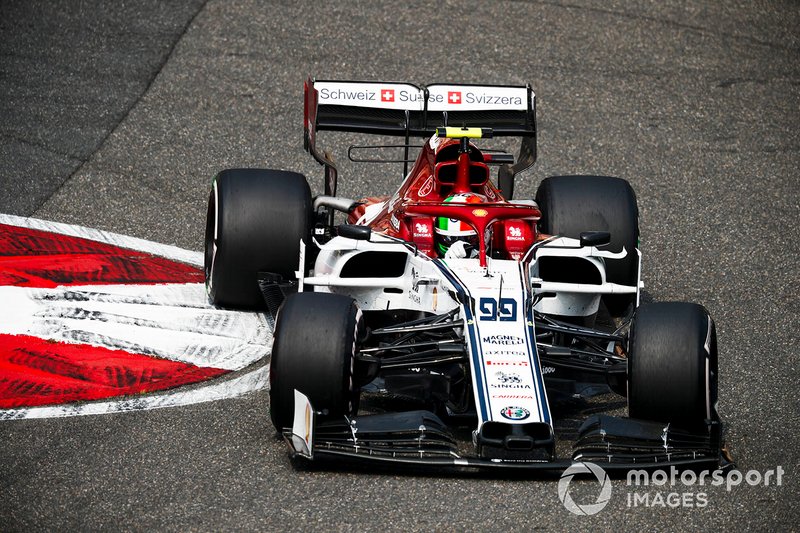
<point>672,364</point>
<point>255,222</point>
<point>316,338</point>
<point>571,205</point>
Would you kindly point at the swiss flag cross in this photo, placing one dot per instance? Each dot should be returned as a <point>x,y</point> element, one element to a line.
<point>387,95</point>
<point>454,97</point>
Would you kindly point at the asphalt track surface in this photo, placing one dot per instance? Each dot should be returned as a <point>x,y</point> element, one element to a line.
<point>116,116</point>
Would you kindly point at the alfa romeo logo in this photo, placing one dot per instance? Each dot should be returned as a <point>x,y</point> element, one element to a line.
<point>602,498</point>
<point>515,413</point>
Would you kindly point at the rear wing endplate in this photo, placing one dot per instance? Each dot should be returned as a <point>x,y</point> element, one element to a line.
<point>405,109</point>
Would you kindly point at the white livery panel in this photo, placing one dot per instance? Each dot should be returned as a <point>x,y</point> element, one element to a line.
<point>507,376</point>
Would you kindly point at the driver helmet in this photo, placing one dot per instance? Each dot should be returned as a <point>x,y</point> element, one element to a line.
<point>450,230</point>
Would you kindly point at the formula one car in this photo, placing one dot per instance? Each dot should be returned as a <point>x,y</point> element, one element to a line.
<point>450,325</point>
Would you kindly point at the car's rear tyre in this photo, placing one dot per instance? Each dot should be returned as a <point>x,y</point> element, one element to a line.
<point>255,221</point>
<point>571,205</point>
<point>672,364</point>
<point>316,338</point>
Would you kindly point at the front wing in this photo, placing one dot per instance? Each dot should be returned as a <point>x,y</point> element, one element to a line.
<point>420,438</point>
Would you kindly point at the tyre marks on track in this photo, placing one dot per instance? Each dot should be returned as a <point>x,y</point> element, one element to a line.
<point>87,315</point>
<point>171,321</point>
<point>217,390</point>
<point>36,371</point>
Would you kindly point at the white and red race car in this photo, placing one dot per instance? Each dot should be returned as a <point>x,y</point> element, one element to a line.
<point>449,324</point>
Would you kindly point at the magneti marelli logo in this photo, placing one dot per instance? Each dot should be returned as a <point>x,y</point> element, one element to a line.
<point>602,498</point>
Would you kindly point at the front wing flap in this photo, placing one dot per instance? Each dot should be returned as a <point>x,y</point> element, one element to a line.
<point>421,438</point>
<point>609,439</point>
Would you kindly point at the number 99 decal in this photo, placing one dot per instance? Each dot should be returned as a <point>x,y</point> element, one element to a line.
<point>490,309</point>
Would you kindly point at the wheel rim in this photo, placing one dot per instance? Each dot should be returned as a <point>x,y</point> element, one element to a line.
<point>212,232</point>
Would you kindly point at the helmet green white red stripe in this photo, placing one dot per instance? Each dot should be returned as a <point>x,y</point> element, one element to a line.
<point>450,230</point>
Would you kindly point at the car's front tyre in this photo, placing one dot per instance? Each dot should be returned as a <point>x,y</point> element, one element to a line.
<point>672,364</point>
<point>316,340</point>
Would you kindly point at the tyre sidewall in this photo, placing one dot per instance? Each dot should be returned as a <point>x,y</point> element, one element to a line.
<point>672,364</point>
<point>316,338</point>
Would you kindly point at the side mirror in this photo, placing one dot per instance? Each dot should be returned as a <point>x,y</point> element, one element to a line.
<point>353,231</point>
<point>595,238</point>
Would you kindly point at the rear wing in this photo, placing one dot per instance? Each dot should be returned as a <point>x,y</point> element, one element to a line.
<point>405,109</point>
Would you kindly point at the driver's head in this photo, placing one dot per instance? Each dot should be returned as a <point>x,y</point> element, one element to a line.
<point>450,230</point>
